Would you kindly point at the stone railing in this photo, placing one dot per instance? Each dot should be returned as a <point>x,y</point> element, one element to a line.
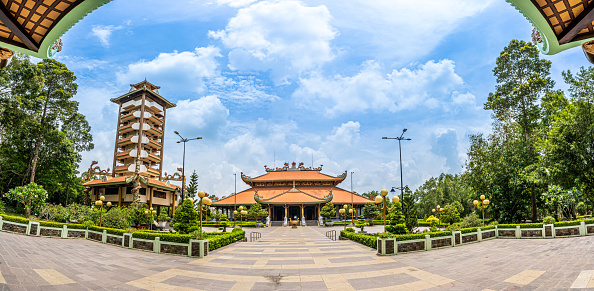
<point>391,246</point>
<point>195,248</point>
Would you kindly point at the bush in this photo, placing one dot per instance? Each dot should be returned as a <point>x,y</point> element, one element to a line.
<point>218,241</point>
<point>116,217</point>
<point>452,227</point>
<point>137,214</point>
<point>450,214</point>
<point>567,223</point>
<point>16,219</point>
<point>548,220</point>
<point>32,196</point>
<point>163,217</point>
<point>471,220</point>
<point>186,218</point>
<point>350,229</point>
<point>365,239</point>
<point>433,221</point>
<point>397,229</point>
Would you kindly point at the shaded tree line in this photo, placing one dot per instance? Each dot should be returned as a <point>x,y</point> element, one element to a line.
<point>41,131</point>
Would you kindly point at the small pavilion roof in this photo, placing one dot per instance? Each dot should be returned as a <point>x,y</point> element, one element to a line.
<point>143,86</point>
<point>34,26</point>
<point>561,24</point>
<point>122,181</point>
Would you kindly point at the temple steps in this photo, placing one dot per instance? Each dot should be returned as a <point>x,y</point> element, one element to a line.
<point>311,222</point>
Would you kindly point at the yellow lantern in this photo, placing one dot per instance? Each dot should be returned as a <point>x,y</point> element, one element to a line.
<point>201,194</point>
<point>482,197</point>
<point>206,201</point>
<point>486,202</point>
<point>108,204</point>
<point>345,206</point>
<point>240,208</point>
<point>102,198</point>
<point>475,202</point>
<point>384,192</point>
<point>395,199</point>
<point>146,212</point>
<point>341,211</point>
<point>433,210</point>
<point>351,211</point>
<point>379,199</point>
<point>235,212</point>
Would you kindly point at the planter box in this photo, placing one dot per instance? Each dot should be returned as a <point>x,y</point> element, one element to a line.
<point>329,223</point>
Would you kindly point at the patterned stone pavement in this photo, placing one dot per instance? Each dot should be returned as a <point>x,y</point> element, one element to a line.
<point>297,259</point>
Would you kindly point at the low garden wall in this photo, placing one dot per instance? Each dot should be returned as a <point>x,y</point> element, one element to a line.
<point>151,241</point>
<point>434,240</point>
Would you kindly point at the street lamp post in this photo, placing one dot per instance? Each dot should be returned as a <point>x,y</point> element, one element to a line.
<point>100,204</point>
<point>184,140</point>
<point>439,210</point>
<point>241,214</point>
<point>400,150</point>
<point>343,211</point>
<point>484,203</point>
<point>203,201</point>
<point>381,199</point>
<point>153,212</point>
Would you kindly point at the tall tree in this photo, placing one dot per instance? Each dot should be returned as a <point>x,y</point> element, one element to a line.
<point>567,148</point>
<point>522,80</point>
<point>193,187</point>
<point>56,93</point>
<point>442,190</point>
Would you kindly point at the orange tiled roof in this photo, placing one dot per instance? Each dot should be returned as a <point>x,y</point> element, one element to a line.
<point>122,180</point>
<point>280,195</point>
<point>293,175</point>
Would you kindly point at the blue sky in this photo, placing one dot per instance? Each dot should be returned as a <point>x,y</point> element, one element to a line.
<point>301,80</point>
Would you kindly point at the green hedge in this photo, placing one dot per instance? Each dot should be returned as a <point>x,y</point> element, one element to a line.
<point>567,223</point>
<point>113,231</point>
<point>410,236</point>
<point>164,236</point>
<point>368,240</point>
<point>219,241</point>
<point>522,225</point>
<point>61,225</point>
<point>16,219</point>
<point>475,229</point>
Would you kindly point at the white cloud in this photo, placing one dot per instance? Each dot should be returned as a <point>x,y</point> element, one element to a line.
<point>204,116</point>
<point>427,85</point>
<point>236,3</point>
<point>175,69</point>
<point>400,30</point>
<point>241,89</point>
<point>287,38</point>
<point>103,33</point>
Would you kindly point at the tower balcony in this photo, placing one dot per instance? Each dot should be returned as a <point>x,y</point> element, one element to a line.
<point>154,158</point>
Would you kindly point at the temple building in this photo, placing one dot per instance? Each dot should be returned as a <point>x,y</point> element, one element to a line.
<point>136,174</point>
<point>294,191</point>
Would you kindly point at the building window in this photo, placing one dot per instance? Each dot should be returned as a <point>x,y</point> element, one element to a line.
<point>159,194</point>
<point>111,191</point>
<point>142,191</point>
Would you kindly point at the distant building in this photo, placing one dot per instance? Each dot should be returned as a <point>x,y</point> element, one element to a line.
<point>138,150</point>
<point>291,192</point>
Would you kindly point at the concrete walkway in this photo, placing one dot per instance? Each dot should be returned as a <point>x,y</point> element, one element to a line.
<point>296,259</point>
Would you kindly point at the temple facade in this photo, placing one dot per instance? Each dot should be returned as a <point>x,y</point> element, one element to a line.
<point>136,174</point>
<point>293,191</point>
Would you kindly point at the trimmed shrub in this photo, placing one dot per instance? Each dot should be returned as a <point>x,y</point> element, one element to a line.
<point>108,230</point>
<point>548,220</point>
<point>219,241</point>
<point>365,239</point>
<point>16,219</point>
<point>567,223</point>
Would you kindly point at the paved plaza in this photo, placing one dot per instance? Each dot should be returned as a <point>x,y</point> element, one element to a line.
<point>296,259</point>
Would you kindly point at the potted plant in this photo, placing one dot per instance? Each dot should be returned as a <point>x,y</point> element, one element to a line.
<point>162,219</point>
<point>328,211</point>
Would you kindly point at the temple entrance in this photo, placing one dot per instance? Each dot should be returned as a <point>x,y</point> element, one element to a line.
<point>294,211</point>
<point>310,213</point>
<point>278,213</point>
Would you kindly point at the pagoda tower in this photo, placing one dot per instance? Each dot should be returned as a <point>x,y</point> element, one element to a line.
<point>140,131</point>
